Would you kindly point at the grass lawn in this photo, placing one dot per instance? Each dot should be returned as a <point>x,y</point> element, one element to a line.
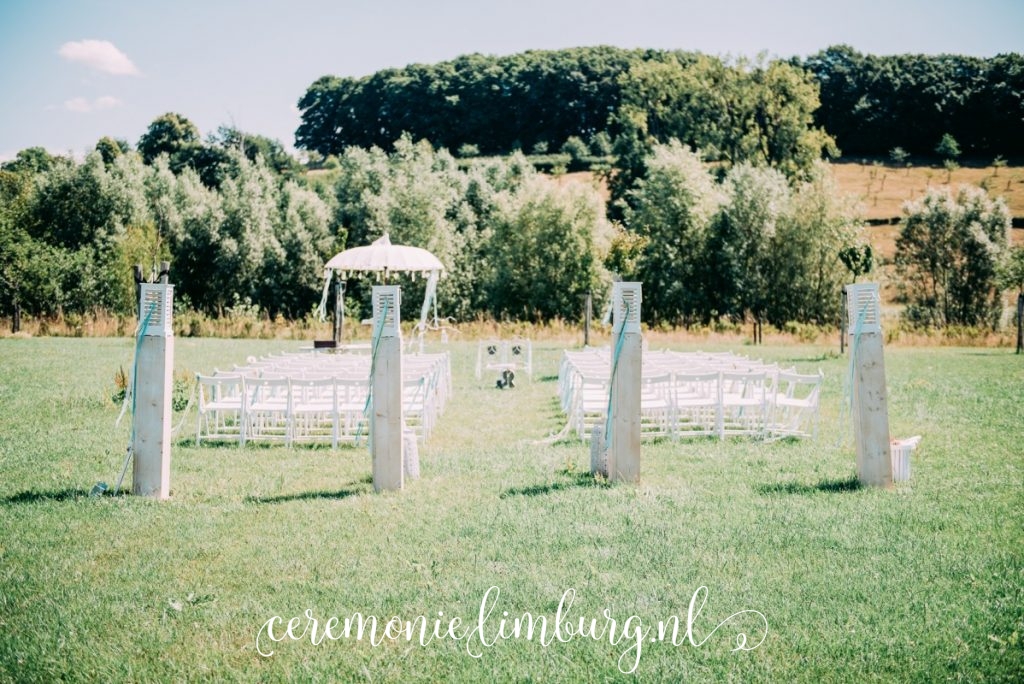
<point>925,583</point>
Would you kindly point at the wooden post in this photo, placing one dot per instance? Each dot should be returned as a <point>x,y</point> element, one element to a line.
<point>624,418</point>
<point>1020,322</point>
<point>842,322</point>
<point>151,446</point>
<point>870,401</point>
<point>339,309</point>
<point>587,313</point>
<point>386,386</point>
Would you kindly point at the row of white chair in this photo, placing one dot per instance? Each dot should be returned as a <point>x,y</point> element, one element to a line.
<point>696,394</point>
<point>313,400</point>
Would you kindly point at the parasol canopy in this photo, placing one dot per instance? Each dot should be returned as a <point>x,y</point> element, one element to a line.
<point>383,257</point>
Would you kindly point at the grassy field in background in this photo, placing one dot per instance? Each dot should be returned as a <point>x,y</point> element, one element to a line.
<point>924,583</point>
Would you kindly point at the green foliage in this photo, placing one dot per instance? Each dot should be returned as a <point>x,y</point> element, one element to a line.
<point>843,574</point>
<point>948,148</point>
<point>575,148</point>
<point>948,252</point>
<point>858,259</point>
<point>545,250</point>
<point>899,156</point>
<point>754,244</point>
<point>754,112</point>
<point>1011,270</point>
<point>601,144</point>
<point>807,275</point>
<point>873,103</point>
<point>672,208</point>
<point>111,149</point>
<point>31,160</point>
<point>741,239</point>
<point>171,134</point>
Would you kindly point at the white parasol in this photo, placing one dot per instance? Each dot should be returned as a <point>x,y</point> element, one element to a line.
<point>381,256</point>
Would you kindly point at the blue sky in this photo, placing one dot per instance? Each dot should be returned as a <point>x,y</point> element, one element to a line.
<point>76,70</point>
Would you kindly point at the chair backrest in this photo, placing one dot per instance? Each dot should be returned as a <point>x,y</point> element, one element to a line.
<point>220,388</point>
<point>794,385</point>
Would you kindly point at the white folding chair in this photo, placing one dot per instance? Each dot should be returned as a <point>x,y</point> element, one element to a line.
<point>744,403</point>
<point>222,408</point>
<point>269,410</point>
<point>795,404</point>
<point>698,403</point>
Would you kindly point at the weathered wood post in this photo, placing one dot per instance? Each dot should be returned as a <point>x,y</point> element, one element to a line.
<point>339,309</point>
<point>870,401</point>
<point>151,442</point>
<point>1020,322</point>
<point>623,421</point>
<point>386,386</point>
<point>588,312</point>
<point>842,323</point>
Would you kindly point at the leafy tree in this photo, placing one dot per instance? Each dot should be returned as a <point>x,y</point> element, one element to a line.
<point>110,149</point>
<point>190,216</point>
<point>30,160</point>
<point>858,259</point>
<point>575,148</point>
<point>806,274</point>
<point>755,200</point>
<point>21,258</point>
<point>528,280</point>
<point>899,156</point>
<point>253,145</point>
<point>672,209</point>
<point>948,252</point>
<point>417,195</point>
<point>171,134</point>
<point>948,148</point>
<point>601,144</point>
<point>1011,271</point>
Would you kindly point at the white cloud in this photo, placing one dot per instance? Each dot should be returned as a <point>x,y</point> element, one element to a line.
<point>84,106</point>
<point>77,104</point>
<point>101,55</point>
<point>106,102</point>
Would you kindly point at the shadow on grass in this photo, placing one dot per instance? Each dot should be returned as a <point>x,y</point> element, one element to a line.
<point>850,484</point>
<point>825,356</point>
<point>571,480</point>
<point>547,378</point>
<point>361,486</point>
<point>220,445</point>
<point>69,494</point>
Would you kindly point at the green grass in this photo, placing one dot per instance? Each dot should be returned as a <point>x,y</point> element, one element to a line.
<point>922,584</point>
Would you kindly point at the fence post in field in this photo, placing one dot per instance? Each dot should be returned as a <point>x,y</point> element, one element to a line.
<point>386,389</point>
<point>151,434</point>
<point>338,321</point>
<point>587,313</point>
<point>867,373</point>
<point>623,420</point>
<point>842,323</point>
<point>1020,322</point>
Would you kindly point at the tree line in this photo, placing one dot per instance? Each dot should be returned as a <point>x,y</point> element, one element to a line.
<point>540,100</point>
<point>720,202</point>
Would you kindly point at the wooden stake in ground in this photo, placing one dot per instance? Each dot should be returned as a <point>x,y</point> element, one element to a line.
<point>1020,323</point>
<point>624,407</point>
<point>151,431</point>
<point>386,388</point>
<point>870,401</point>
